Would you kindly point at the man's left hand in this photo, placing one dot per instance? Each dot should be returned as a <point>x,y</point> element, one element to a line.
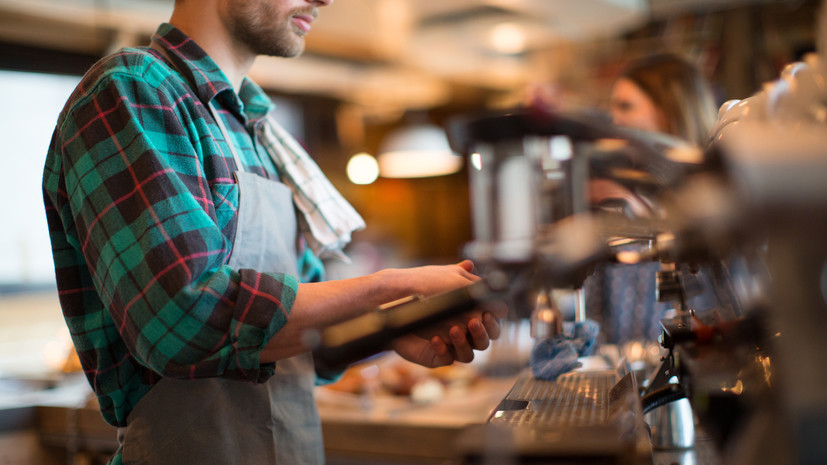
<point>477,335</point>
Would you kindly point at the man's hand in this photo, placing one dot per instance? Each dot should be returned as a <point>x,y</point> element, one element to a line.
<point>446,278</point>
<point>435,279</point>
<point>434,352</point>
<point>321,305</point>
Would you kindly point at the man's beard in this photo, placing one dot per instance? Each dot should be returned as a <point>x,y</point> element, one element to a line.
<point>263,32</point>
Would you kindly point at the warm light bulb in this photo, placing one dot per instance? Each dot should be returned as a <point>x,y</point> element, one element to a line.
<point>508,38</point>
<point>362,168</point>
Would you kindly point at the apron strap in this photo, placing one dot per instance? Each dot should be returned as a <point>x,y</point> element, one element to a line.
<point>226,135</point>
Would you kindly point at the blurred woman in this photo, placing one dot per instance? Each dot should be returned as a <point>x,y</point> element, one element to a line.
<point>661,93</point>
<point>665,93</point>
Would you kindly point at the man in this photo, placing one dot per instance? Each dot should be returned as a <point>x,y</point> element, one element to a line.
<point>186,230</point>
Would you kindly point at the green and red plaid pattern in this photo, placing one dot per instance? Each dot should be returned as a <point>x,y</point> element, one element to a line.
<point>142,209</point>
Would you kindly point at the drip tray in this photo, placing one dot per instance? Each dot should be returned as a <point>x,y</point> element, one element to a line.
<point>582,417</point>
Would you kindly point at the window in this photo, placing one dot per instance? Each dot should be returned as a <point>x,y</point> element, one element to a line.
<point>29,106</point>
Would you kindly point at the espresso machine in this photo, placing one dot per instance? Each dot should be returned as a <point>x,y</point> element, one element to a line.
<point>534,223</point>
<point>736,230</point>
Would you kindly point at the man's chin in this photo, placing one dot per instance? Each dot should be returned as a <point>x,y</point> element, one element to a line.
<point>295,54</point>
<point>296,48</point>
<point>284,52</point>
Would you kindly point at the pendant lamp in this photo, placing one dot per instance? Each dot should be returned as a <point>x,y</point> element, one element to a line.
<point>417,151</point>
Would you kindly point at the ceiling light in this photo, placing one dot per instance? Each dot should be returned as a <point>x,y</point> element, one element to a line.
<point>416,152</point>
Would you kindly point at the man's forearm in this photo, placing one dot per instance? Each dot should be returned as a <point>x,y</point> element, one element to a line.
<point>318,305</point>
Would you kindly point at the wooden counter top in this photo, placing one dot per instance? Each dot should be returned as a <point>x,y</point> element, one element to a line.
<point>382,431</point>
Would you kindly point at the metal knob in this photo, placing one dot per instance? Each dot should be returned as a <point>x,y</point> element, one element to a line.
<point>546,318</point>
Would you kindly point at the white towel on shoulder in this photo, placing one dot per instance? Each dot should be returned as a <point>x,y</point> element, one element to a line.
<point>327,220</point>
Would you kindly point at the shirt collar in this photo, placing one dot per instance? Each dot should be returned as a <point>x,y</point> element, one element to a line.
<point>207,79</point>
<point>256,102</point>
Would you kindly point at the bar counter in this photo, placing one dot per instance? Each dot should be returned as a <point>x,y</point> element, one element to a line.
<point>358,429</point>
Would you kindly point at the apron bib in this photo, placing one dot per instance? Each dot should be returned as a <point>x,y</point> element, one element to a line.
<point>220,421</point>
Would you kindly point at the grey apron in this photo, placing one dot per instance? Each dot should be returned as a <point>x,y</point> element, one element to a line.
<point>220,421</point>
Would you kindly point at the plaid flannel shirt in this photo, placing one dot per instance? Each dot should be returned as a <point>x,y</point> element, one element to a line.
<point>142,210</point>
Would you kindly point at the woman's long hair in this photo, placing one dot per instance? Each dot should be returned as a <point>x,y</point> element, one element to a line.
<point>680,91</point>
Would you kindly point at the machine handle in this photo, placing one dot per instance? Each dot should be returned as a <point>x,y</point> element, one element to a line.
<point>662,396</point>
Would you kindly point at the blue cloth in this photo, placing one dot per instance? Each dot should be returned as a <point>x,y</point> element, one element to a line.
<point>554,356</point>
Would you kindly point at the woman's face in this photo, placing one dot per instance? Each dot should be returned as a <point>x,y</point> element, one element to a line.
<point>631,107</point>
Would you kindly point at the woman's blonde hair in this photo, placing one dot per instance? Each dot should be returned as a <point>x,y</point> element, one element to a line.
<point>680,91</point>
